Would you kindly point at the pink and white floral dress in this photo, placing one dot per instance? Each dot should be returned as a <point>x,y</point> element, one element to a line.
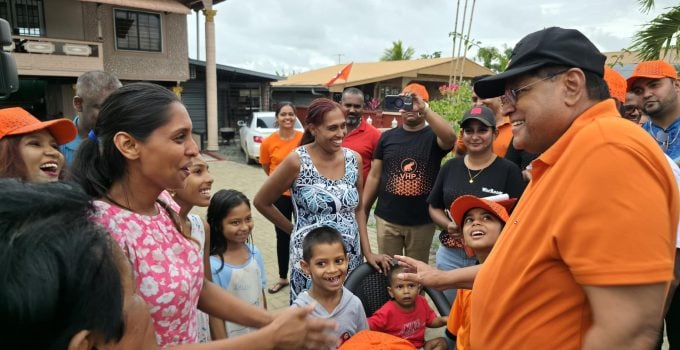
<point>168,268</point>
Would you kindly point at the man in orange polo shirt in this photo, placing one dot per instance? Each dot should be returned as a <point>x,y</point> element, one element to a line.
<point>585,259</point>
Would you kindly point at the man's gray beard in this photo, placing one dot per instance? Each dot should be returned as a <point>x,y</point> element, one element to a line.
<point>353,120</point>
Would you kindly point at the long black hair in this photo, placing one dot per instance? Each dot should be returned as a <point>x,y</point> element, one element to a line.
<point>137,109</point>
<point>221,204</point>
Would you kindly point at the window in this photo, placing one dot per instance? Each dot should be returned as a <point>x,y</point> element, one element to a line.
<point>26,17</point>
<point>139,31</point>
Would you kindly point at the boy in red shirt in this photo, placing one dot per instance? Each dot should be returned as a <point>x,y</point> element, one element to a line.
<point>407,314</point>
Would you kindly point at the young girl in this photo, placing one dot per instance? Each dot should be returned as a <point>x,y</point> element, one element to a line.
<point>197,193</point>
<point>236,264</point>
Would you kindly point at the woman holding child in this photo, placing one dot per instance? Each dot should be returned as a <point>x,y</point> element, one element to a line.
<point>326,188</point>
<point>481,173</point>
<point>141,145</point>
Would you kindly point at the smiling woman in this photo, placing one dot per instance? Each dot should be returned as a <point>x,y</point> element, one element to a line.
<point>326,191</point>
<point>141,145</point>
<point>29,148</point>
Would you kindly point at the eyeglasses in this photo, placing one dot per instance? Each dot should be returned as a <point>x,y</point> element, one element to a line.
<point>631,113</point>
<point>511,95</point>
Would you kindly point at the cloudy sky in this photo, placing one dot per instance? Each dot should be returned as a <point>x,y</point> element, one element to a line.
<point>298,35</point>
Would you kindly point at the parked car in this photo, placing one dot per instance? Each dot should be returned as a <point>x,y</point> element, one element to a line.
<point>254,131</point>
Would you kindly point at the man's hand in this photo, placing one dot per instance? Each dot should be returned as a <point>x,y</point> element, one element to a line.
<point>418,271</point>
<point>295,329</point>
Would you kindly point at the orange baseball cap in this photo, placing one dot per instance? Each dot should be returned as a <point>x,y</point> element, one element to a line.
<point>417,89</point>
<point>464,203</point>
<point>17,121</point>
<point>372,340</point>
<point>617,84</point>
<point>652,70</point>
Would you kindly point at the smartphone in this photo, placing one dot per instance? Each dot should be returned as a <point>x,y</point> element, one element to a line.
<point>397,102</point>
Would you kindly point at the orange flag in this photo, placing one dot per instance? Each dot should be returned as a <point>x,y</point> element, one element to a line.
<point>343,74</point>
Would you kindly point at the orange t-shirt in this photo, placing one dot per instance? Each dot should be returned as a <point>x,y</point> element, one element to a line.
<point>274,150</point>
<point>458,322</point>
<point>601,210</point>
<point>500,144</point>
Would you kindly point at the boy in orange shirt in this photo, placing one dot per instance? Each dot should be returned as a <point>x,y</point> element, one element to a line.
<point>482,222</point>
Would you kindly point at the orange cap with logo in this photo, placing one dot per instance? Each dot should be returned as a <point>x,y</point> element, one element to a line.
<point>652,70</point>
<point>466,202</point>
<point>617,84</point>
<point>417,89</point>
<point>17,121</point>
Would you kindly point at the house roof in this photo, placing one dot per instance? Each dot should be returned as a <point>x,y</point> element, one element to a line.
<point>197,4</point>
<point>173,6</point>
<point>221,67</point>
<point>366,73</point>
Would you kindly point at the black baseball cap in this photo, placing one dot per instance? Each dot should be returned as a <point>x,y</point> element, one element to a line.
<point>483,114</point>
<point>550,46</point>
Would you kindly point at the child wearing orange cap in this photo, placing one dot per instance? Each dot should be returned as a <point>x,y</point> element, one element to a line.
<point>29,148</point>
<point>482,222</point>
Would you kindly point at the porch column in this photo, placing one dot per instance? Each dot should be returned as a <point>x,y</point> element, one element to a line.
<point>210,75</point>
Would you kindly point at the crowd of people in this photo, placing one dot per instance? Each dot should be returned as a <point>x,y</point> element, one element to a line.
<point>558,217</point>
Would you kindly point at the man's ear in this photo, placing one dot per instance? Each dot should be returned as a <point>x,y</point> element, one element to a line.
<point>78,103</point>
<point>574,83</point>
<point>127,145</point>
<point>81,341</point>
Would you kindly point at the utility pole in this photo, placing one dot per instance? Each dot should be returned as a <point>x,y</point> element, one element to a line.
<point>339,55</point>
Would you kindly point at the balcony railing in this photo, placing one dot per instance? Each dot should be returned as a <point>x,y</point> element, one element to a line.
<point>40,56</point>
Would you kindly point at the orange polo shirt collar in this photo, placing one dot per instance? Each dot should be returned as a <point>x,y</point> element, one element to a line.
<point>603,109</point>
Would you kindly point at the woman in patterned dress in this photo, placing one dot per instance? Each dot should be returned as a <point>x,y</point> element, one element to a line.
<point>141,146</point>
<point>326,188</point>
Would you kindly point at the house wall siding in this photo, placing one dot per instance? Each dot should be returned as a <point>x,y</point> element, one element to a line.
<point>172,64</point>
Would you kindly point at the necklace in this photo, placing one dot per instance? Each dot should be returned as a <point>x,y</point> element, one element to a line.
<point>472,178</point>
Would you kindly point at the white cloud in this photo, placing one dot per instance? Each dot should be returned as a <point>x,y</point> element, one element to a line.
<point>298,35</point>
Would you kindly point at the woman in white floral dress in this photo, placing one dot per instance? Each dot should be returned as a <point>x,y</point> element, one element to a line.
<point>326,187</point>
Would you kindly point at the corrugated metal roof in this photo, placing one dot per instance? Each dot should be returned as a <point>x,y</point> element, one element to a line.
<point>366,73</point>
<point>221,67</point>
<point>154,5</point>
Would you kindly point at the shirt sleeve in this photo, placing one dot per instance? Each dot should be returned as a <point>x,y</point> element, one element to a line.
<point>436,197</point>
<point>630,190</point>
<point>223,277</point>
<point>456,317</point>
<point>429,313</point>
<point>260,264</point>
<point>378,320</point>
<point>264,151</point>
<point>378,153</point>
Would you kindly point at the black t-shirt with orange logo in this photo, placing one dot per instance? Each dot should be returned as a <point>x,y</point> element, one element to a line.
<point>411,161</point>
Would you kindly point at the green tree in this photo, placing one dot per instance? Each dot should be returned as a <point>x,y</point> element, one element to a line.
<point>660,35</point>
<point>493,58</point>
<point>397,52</point>
<point>436,54</point>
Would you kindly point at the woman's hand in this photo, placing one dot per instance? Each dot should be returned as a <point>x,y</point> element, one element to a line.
<point>380,262</point>
<point>454,230</point>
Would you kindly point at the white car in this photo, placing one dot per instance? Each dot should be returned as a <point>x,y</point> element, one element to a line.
<point>254,131</point>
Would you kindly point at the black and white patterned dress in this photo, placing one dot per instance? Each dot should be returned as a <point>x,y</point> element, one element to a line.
<point>319,201</point>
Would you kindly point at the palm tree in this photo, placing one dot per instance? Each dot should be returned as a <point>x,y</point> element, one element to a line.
<point>397,52</point>
<point>662,33</point>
